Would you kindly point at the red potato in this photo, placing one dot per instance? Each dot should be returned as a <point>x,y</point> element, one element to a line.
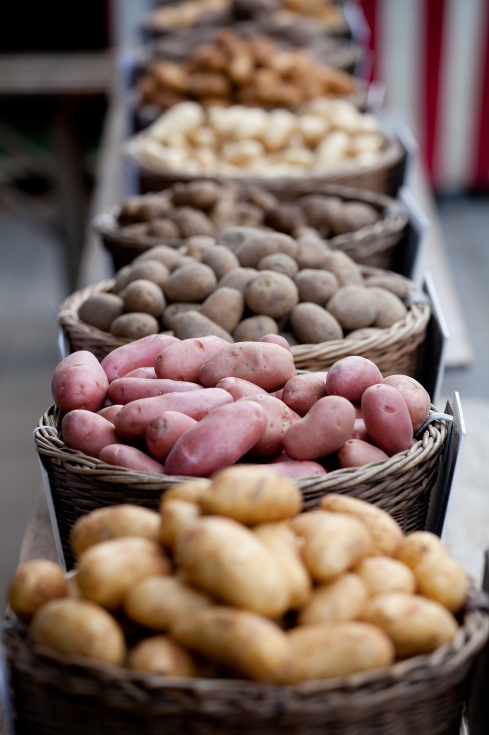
<point>79,383</point>
<point>359,430</point>
<point>387,418</point>
<point>130,457</point>
<point>140,353</point>
<point>351,376</point>
<point>132,419</point>
<point>276,339</point>
<point>109,412</point>
<point>184,360</point>
<point>279,420</point>
<point>277,393</point>
<point>301,392</point>
<point>262,363</point>
<point>417,398</point>
<point>240,388</point>
<point>322,431</point>
<point>294,468</point>
<point>356,453</point>
<point>125,390</point>
<point>358,411</point>
<point>143,372</point>
<point>164,430</point>
<point>219,440</point>
<point>88,432</point>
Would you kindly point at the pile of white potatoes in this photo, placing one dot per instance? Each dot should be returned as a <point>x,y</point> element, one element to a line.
<point>247,141</point>
<point>231,579</point>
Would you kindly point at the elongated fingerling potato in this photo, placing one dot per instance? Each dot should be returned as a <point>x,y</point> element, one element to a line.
<point>125,390</point>
<point>323,430</point>
<point>183,360</point>
<point>131,458</point>
<point>164,430</point>
<point>140,353</point>
<point>79,382</point>
<point>262,363</point>
<point>88,432</point>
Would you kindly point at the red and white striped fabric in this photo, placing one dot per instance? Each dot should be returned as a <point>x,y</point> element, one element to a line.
<point>433,57</point>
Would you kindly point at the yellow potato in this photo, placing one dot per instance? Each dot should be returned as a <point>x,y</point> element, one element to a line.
<point>342,599</point>
<point>383,574</point>
<point>415,624</point>
<point>252,495</point>
<point>241,640</point>
<point>106,571</point>
<point>74,590</point>
<point>159,602</point>
<point>112,522</point>
<point>176,516</point>
<point>333,542</point>
<point>79,628</point>
<point>440,578</point>
<point>283,543</point>
<point>385,531</point>
<point>162,656</point>
<point>230,561</point>
<point>189,491</point>
<point>326,650</point>
<point>33,584</point>
<point>418,546</point>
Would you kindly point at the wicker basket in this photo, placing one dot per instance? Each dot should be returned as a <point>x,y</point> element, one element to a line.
<point>395,350</point>
<point>384,175</point>
<point>373,245</point>
<point>401,485</point>
<point>60,695</point>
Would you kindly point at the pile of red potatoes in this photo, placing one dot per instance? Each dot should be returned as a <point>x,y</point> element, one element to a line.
<point>194,406</point>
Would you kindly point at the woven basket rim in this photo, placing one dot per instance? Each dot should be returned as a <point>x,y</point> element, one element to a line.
<point>394,218</point>
<point>380,685</point>
<point>49,444</point>
<point>388,158</point>
<point>414,322</point>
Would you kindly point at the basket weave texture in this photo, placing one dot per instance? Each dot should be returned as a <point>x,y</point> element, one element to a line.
<point>395,350</point>
<point>384,175</point>
<point>57,695</point>
<point>400,485</point>
<point>373,245</point>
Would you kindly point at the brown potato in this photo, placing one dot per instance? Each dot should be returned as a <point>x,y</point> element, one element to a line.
<point>192,222</point>
<point>328,650</point>
<point>79,628</point>
<point>319,210</point>
<point>113,522</point>
<point>100,310</point>
<point>190,283</point>
<point>191,491</point>
<point>440,578</point>
<point>228,560</point>
<point>418,546</point>
<point>272,294</point>
<point>134,326</point>
<point>182,261</point>
<point>144,296</point>
<point>221,260</point>
<point>316,286</point>
<point>149,270</point>
<point>285,218</point>
<point>224,307</point>
<point>259,244</point>
<point>345,269</point>
<point>190,324</point>
<point>176,516</point>
<point>159,602</point>
<point>254,328</point>
<point>280,263</point>
<point>106,571</point>
<point>284,545</point>
<point>333,542</point>
<point>251,495</point>
<point>197,245</point>
<point>174,310</point>
<point>162,253</point>
<point>352,216</point>
<point>353,307</point>
<point>386,533</point>
<point>311,254</point>
<point>200,194</point>
<point>312,324</point>
<point>390,308</point>
<point>384,574</point>
<point>163,228</point>
<point>160,655</point>
<point>238,278</point>
<point>241,640</point>
<point>344,598</point>
<point>415,624</point>
<point>34,583</point>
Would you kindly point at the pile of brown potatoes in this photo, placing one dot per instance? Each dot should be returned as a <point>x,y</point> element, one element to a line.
<point>240,141</point>
<point>243,285</point>
<point>206,208</point>
<point>192,407</point>
<point>250,71</point>
<point>231,580</point>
